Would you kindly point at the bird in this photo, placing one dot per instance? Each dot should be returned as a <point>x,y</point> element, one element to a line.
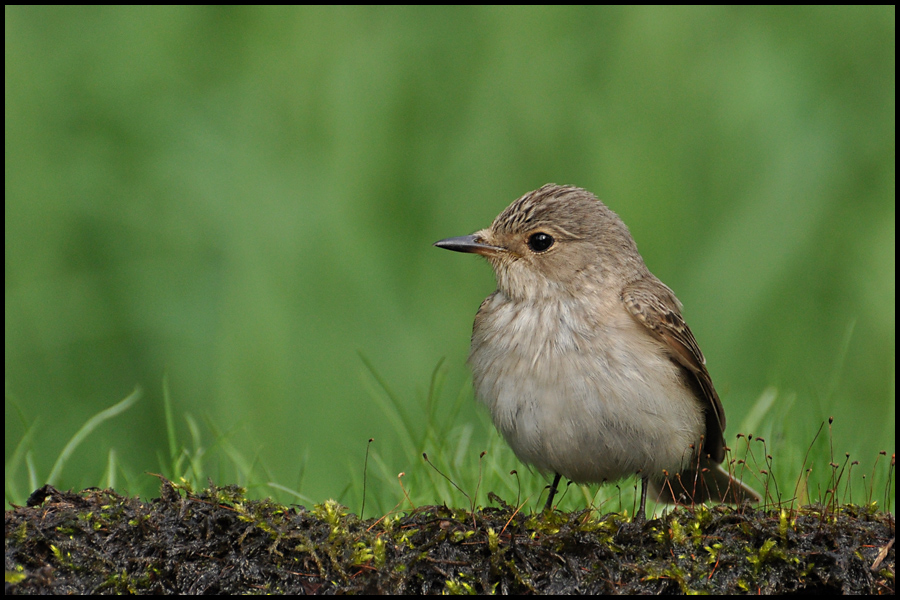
<point>584,360</point>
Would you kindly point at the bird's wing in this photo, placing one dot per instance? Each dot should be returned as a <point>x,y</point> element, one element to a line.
<point>655,306</point>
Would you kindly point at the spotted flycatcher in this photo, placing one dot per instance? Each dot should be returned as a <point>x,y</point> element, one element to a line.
<point>583,357</point>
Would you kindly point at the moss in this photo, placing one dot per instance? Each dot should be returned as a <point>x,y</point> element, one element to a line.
<point>217,541</point>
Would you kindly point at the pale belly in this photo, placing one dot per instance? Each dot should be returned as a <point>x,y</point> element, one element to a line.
<point>593,403</point>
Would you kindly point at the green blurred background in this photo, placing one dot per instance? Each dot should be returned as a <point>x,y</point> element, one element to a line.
<point>243,200</point>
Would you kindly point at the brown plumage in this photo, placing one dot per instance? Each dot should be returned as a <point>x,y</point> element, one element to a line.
<point>584,359</point>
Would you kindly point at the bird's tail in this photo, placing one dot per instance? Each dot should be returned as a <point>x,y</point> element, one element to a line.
<point>710,482</point>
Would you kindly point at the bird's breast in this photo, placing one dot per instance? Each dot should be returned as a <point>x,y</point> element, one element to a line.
<point>580,388</point>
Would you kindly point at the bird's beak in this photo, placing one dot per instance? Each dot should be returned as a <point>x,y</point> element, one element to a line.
<point>469,243</point>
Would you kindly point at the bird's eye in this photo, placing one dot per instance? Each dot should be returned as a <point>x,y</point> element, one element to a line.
<point>540,241</point>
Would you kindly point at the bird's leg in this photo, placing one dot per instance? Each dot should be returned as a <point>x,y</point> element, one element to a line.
<point>641,515</point>
<point>549,506</point>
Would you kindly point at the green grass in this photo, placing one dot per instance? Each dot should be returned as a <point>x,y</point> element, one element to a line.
<point>225,205</point>
<point>460,464</point>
